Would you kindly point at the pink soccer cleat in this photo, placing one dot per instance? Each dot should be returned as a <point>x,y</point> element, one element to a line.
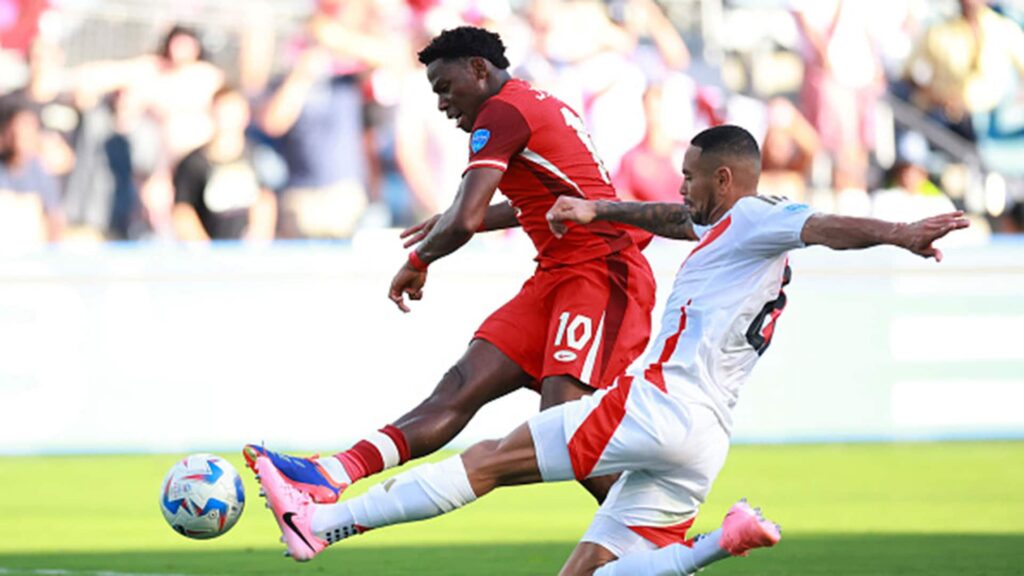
<point>744,529</point>
<point>292,509</point>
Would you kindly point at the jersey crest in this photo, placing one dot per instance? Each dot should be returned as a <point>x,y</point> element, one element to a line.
<point>479,139</point>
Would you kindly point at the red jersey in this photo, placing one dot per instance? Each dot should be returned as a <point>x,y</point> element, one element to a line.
<point>543,148</point>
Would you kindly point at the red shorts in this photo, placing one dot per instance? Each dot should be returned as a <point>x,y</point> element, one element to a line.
<point>589,320</point>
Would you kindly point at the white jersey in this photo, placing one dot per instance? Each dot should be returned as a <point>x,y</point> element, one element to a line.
<point>721,313</point>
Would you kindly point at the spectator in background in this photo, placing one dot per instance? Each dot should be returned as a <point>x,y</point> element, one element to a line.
<point>19,23</point>
<point>843,77</point>
<point>910,193</point>
<point>101,195</point>
<point>368,36</point>
<point>657,46</point>
<point>163,104</point>
<point>316,111</point>
<point>1012,221</point>
<point>53,105</point>
<point>217,192</point>
<point>788,152</point>
<point>960,68</point>
<point>657,50</point>
<point>649,172</point>
<point>593,73</point>
<point>430,155</point>
<point>30,210</point>
<point>179,92</point>
<point>257,46</point>
<point>317,117</point>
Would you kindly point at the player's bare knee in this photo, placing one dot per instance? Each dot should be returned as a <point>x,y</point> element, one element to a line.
<point>481,455</point>
<point>482,463</point>
<point>585,560</point>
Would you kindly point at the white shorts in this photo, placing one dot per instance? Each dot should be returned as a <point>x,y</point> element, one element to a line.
<point>668,450</point>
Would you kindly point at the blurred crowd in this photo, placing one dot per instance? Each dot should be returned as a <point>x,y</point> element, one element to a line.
<point>325,125</point>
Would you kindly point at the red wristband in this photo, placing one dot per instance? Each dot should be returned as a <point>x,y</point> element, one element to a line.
<point>416,262</point>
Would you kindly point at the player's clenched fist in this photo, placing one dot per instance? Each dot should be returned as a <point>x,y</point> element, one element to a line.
<point>407,282</point>
<point>569,209</point>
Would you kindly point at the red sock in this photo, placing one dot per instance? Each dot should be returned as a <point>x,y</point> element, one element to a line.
<point>382,450</point>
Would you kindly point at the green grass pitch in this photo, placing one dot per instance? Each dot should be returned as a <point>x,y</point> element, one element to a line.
<point>927,509</point>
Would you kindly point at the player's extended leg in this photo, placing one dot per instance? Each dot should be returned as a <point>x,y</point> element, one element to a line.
<point>743,529</point>
<point>673,451</point>
<point>423,492</point>
<point>557,390</point>
<point>483,374</point>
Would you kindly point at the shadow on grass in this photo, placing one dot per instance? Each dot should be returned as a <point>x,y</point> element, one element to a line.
<point>806,555</point>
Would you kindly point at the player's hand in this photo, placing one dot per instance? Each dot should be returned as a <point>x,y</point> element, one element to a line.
<point>415,234</point>
<point>919,236</point>
<point>408,282</point>
<point>569,209</point>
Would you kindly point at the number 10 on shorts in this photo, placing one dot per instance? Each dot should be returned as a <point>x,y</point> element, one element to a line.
<point>574,331</point>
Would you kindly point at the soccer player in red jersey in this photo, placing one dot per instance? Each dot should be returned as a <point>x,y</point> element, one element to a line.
<point>576,323</point>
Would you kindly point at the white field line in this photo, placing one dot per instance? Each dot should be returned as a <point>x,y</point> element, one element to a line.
<point>64,572</point>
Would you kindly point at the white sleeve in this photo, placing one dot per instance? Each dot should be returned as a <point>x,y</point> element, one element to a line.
<point>773,224</point>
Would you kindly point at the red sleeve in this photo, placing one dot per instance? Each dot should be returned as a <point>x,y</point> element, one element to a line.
<point>499,133</point>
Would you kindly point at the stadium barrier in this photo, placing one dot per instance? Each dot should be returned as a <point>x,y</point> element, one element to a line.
<point>144,348</point>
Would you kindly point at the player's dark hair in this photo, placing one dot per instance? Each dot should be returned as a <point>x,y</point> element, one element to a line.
<point>465,42</point>
<point>727,140</point>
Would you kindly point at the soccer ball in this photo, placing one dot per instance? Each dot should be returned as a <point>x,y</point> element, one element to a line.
<point>202,496</point>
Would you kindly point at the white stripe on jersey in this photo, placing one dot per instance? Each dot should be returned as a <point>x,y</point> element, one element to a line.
<point>587,373</point>
<point>487,164</point>
<point>531,156</point>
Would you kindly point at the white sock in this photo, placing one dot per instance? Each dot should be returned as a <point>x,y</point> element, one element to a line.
<point>424,492</point>
<point>706,549</point>
<point>334,469</point>
<point>659,562</point>
<point>672,560</point>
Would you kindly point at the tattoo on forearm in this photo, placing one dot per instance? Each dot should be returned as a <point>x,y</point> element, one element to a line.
<point>671,220</point>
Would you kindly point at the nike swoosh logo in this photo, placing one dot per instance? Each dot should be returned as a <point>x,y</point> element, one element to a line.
<point>291,524</point>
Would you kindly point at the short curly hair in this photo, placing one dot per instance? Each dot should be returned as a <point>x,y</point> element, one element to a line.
<point>465,42</point>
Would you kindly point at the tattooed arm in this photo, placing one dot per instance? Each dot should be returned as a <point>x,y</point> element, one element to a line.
<point>846,232</point>
<point>671,220</point>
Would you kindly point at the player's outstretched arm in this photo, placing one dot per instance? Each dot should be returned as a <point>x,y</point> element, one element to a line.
<point>668,219</point>
<point>847,232</point>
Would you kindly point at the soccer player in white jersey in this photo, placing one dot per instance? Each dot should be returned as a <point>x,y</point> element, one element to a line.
<point>665,423</point>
